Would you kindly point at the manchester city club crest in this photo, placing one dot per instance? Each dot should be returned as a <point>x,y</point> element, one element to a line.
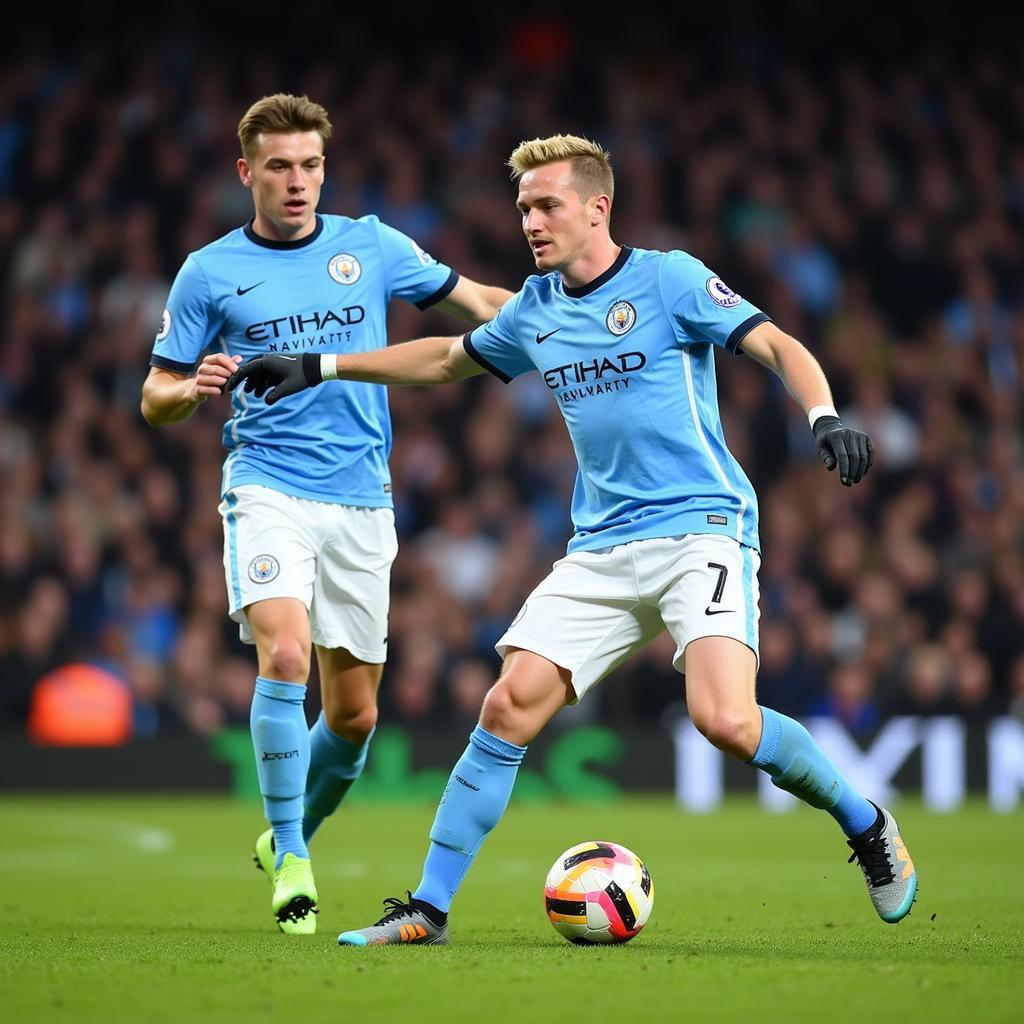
<point>721,293</point>
<point>263,568</point>
<point>345,268</point>
<point>621,317</point>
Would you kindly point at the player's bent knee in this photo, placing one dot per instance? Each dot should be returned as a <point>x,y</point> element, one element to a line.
<point>502,714</point>
<point>286,659</point>
<point>734,733</point>
<point>352,725</point>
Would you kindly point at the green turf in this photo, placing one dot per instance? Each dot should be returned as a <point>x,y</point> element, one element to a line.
<point>117,909</point>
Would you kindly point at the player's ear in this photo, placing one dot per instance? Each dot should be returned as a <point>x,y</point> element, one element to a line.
<point>244,173</point>
<point>600,207</point>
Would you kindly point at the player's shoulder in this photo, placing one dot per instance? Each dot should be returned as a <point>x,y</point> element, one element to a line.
<point>673,259</point>
<point>338,223</point>
<point>211,262</point>
<point>369,225</point>
<point>227,245</point>
<point>218,252</point>
<point>351,232</point>
<point>677,268</point>
<point>644,257</point>
<point>541,286</point>
<point>536,291</point>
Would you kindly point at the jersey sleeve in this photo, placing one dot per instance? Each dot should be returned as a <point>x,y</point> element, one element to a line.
<point>703,305</point>
<point>496,345</point>
<point>411,273</point>
<point>189,323</point>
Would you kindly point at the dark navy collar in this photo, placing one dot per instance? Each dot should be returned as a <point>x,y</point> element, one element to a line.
<point>586,289</point>
<point>299,243</point>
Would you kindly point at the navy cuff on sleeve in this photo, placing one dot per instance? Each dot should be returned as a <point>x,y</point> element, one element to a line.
<point>471,351</point>
<point>170,364</point>
<point>739,333</point>
<point>442,292</point>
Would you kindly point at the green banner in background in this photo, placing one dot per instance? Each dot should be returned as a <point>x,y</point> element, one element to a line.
<point>941,758</point>
<point>572,767</point>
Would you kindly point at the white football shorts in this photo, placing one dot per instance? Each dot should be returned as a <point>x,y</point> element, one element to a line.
<point>595,609</point>
<point>335,559</point>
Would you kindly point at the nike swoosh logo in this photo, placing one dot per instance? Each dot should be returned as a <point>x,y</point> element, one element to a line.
<point>718,611</point>
<point>241,291</point>
<point>544,337</point>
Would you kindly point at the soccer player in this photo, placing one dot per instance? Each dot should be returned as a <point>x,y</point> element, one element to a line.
<point>665,520</point>
<point>307,506</point>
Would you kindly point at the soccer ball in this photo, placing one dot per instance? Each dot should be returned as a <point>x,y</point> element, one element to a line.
<point>598,892</point>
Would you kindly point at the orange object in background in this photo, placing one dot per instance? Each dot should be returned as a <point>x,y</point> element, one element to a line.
<point>80,705</point>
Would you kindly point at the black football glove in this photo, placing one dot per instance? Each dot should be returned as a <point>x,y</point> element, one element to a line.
<point>851,450</point>
<point>277,377</point>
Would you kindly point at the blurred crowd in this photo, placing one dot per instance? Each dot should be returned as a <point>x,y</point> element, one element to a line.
<point>875,213</point>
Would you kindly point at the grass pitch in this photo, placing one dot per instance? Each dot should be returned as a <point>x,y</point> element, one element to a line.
<point>126,909</point>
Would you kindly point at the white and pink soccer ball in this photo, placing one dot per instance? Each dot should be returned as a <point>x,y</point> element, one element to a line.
<point>598,892</point>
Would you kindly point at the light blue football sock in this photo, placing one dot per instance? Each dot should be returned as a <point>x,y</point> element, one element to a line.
<point>280,739</point>
<point>334,764</point>
<point>473,802</point>
<point>788,753</point>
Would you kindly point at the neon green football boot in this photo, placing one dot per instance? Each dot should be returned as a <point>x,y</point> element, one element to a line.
<point>294,902</point>
<point>264,853</point>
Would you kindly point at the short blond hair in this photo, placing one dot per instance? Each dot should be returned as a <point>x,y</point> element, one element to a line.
<point>281,114</point>
<point>591,163</point>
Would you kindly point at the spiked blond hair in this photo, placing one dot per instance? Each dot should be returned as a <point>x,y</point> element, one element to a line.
<point>282,114</point>
<point>591,164</point>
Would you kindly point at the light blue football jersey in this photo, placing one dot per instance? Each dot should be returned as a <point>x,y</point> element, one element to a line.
<point>328,292</point>
<point>629,359</point>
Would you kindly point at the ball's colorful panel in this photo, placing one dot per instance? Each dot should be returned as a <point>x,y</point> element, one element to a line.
<point>566,908</point>
<point>625,912</point>
<point>586,851</point>
<point>620,853</point>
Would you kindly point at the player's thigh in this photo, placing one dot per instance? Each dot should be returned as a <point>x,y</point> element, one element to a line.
<point>278,616</point>
<point>348,691</point>
<point>351,591</point>
<point>269,552</point>
<point>710,590</point>
<point>279,627</point>
<point>720,689</point>
<point>585,616</point>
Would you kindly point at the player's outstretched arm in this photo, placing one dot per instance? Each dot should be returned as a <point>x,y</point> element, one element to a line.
<point>837,445</point>
<point>169,397</point>
<point>424,361</point>
<point>474,302</point>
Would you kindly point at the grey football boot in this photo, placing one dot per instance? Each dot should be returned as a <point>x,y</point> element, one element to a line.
<point>888,869</point>
<point>405,924</point>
